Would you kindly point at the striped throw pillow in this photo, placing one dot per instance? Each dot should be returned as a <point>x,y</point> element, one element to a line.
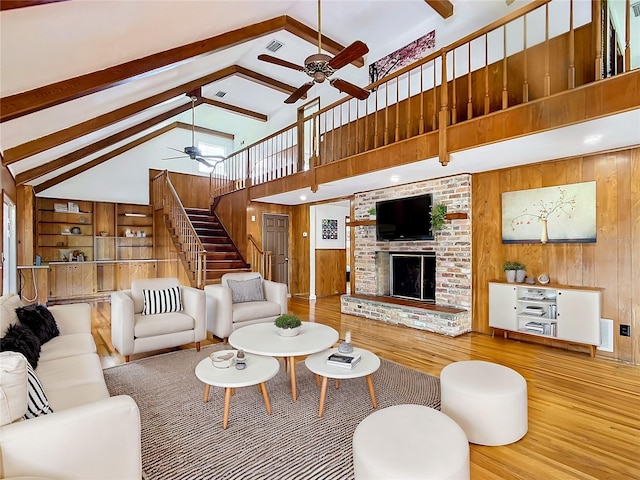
<point>37,404</point>
<point>161,301</point>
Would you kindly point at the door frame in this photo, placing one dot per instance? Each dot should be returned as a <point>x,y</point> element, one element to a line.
<point>9,246</point>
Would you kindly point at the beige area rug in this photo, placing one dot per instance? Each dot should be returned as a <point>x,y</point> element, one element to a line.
<point>182,437</point>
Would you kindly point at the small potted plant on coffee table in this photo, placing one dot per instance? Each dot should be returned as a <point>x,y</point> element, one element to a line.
<point>288,325</point>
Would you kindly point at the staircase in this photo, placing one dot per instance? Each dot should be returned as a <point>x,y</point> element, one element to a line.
<point>221,255</point>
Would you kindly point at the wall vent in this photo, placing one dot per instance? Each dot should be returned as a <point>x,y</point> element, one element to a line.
<point>635,8</point>
<point>606,335</point>
<point>275,45</point>
<point>219,94</point>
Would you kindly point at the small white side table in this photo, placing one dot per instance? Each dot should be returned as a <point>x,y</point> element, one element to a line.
<point>259,369</point>
<point>317,363</point>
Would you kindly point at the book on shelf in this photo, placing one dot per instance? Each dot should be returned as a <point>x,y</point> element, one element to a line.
<point>541,328</point>
<point>533,310</point>
<point>343,360</point>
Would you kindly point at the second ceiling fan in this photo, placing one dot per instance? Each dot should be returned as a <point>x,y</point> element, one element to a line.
<point>320,67</point>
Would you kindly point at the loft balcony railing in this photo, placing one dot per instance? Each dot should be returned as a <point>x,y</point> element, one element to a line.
<point>544,48</point>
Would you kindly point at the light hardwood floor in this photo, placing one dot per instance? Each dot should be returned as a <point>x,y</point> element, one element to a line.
<point>584,413</point>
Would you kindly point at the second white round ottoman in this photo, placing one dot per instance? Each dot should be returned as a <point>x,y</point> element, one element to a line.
<point>410,442</point>
<point>489,401</point>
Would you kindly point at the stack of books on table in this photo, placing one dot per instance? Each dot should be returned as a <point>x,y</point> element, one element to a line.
<point>343,360</point>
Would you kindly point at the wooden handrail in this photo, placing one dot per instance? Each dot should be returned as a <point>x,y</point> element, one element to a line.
<point>260,259</point>
<point>188,242</point>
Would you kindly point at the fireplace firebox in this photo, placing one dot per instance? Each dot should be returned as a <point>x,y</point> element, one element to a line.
<point>413,276</point>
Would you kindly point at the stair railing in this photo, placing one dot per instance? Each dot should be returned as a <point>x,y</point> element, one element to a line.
<point>260,260</point>
<point>188,242</point>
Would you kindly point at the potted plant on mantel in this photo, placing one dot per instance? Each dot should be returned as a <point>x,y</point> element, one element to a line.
<point>288,325</point>
<point>515,271</point>
<point>372,213</point>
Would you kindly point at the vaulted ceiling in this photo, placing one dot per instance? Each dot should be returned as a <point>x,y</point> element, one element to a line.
<point>83,82</point>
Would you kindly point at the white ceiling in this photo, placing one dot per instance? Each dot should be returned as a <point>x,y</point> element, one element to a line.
<point>54,42</point>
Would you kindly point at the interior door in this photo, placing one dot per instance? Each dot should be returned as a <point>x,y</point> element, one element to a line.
<point>275,237</point>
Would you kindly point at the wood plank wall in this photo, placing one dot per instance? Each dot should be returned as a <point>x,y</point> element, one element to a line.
<point>169,265</point>
<point>612,263</point>
<point>331,272</point>
<point>299,253</point>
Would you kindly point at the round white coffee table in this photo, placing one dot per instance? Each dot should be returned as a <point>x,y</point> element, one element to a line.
<point>369,363</point>
<point>259,369</point>
<point>263,339</point>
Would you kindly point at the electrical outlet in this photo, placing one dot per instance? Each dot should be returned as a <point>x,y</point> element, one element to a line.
<point>625,330</point>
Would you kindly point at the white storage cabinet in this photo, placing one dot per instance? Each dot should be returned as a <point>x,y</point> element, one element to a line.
<point>561,312</point>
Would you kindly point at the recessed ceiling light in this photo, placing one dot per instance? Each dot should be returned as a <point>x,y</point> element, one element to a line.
<point>303,197</point>
<point>591,139</point>
<point>395,178</point>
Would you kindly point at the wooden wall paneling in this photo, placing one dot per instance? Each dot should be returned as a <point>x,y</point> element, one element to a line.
<point>26,213</point>
<point>612,263</point>
<point>624,251</point>
<point>232,212</point>
<point>299,251</point>
<point>331,268</point>
<point>165,252</point>
<point>104,218</point>
<point>634,239</point>
<point>193,190</point>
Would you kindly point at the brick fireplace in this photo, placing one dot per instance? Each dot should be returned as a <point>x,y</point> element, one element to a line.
<point>451,248</point>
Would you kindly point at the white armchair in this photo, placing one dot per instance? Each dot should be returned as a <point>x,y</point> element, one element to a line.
<point>132,332</point>
<point>229,308</point>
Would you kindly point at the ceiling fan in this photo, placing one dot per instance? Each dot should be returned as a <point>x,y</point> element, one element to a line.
<point>320,67</point>
<point>193,152</point>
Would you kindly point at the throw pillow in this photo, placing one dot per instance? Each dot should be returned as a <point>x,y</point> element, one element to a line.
<point>161,301</point>
<point>38,403</point>
<point>13,387</point>
<point>39,320</point>
<point>246,291</point>
<point>22,340</point>
<point>8,305</point>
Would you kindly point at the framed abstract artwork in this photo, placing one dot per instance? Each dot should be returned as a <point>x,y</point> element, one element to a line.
<point>560,214</point>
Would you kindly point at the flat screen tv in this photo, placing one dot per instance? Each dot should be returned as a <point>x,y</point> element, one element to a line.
<point>404,219</point>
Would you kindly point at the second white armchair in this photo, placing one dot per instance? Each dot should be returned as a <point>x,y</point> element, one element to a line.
<point>243,299</point>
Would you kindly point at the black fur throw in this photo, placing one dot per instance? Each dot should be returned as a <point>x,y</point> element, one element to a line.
<point>21,339</point>
<point>39,320</point>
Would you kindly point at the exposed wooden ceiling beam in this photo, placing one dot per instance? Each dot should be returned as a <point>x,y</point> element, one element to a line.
<point>443,7</point>
<point>209,131</point>
<point>265,80</point>
<point>301,30</point>
<point>13,4</point>
<point>40,98</point>
<point>238,110</point>
<point>33,147</point>
<point>102,158</point>
<point>60,162</point>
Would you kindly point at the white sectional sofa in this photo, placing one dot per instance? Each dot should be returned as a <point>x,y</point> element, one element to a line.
<point>89,435</point>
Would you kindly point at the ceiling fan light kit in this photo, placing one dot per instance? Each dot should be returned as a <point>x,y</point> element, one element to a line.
<point>320,66</point>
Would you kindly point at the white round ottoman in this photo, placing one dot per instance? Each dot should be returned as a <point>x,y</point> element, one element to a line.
<point>410,442</point>
<point>489,401</point>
